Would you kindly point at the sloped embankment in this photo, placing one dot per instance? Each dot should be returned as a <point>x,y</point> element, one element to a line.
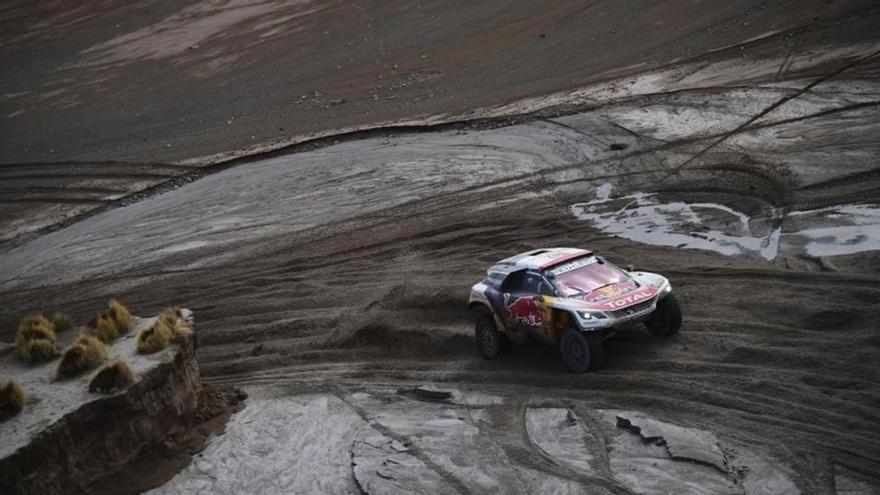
<point>108,436</point>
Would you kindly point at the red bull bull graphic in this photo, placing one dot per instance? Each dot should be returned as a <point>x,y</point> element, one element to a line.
<point>523,311</point>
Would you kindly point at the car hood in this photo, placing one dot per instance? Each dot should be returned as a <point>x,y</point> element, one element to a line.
<point>623,299</point>
<point>610,291</point>
<point>637,287</point>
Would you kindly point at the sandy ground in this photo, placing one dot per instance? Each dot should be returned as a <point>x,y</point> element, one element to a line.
<point>749,177</point>
<point>99,104</point>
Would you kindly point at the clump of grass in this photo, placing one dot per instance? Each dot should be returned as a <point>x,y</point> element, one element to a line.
<point>84,354</point>
<point>120,316</point>
<point>11,398</point>
<point>105,328</point>
<point>33,320</point>
<point>71,362</point>
<point>35,341</point>
<point>112,323</point>
<point>96,351</point>
<point>155,338</point>
<point>40,351</point>
<point>36,332</point>
<point>61,322</point>
<point>169,327</point>
<point>113,376</point>
<point>180,329</point>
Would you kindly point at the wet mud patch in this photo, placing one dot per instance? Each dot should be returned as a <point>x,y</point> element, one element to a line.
<point>270,446</point>
<point>660,220</point>
<point>560,435</point>
<point>379,440</point>
<point>647,218</point>
<point>384,465</point>
<point>652,456</point>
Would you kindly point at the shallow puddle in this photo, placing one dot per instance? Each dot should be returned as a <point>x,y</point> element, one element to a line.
<point>648,218</point>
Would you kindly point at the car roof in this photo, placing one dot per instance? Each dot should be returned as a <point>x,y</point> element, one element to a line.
<point>538,259</point>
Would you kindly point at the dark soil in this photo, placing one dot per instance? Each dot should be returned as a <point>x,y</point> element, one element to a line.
<point>155,466</point>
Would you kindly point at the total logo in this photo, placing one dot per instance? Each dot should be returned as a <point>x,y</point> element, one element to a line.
<point>629,299</point>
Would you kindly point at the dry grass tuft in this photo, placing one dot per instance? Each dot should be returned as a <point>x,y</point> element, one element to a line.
<point>170,316</point>
<point>105,328</point>
<point>61,322</point>
<point>35,333</point>
<point>182,331</point>
<point>85,354</point>
<point>120,316</point>
<point>96,350</point>
<point>71,362</point>
<point>113,376</point>
<point>34,320</point>
<point>173,318</point>
<point>34,339</point>
<point>11,398</point>
<point>169,327</point>
<point>112,323</point>
<point>40,351</point>
<point>156,338</point>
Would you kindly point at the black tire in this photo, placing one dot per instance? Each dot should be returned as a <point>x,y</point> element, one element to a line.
<point>490,341</point>
<point>666,319</point>
<point>581,351</point>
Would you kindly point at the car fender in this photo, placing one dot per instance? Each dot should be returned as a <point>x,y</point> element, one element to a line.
<point>657,281</point>
<point>478,302</point>
<point>568,306</point>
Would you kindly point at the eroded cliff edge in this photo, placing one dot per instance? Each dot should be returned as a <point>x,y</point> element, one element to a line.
<point>142,434</point>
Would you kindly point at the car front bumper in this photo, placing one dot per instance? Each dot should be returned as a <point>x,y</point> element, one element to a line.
<point>637,313</point>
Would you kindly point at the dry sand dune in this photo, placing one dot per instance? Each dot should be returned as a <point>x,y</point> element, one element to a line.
<point>330,281</point>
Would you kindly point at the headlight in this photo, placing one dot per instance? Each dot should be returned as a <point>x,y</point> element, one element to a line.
<point>667,288</point>
<point>586,315</point>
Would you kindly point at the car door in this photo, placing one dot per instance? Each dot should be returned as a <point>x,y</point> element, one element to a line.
<point>519,307</point>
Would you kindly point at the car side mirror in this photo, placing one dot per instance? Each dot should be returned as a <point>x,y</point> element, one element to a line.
<point>538,298</point>
<point>630,267</point>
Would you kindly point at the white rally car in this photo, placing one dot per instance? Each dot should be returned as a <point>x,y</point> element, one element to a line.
<point>568,297</point>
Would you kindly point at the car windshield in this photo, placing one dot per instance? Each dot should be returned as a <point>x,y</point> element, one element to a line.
<point>585,275</point>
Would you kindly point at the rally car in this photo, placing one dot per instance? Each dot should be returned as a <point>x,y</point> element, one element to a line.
<point>568,297</point>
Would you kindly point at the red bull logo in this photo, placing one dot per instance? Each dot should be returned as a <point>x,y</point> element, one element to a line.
<point>523,311</point>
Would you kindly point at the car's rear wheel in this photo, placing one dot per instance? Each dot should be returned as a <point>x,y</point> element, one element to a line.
<point>666,319</point>
<point>581,351</point>
<point>489,340</point>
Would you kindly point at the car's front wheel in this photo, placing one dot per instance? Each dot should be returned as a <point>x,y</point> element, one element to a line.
<point>490,342</point>
<point>581,351</point>
<point>666,319</point>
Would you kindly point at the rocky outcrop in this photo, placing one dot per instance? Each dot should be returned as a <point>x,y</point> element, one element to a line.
<point>103,436</point>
